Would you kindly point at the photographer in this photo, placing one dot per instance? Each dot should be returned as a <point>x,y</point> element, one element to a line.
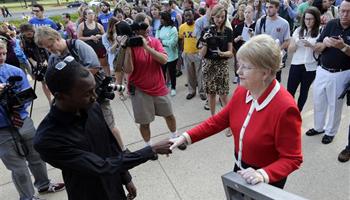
<point>16,136</point>
<point>59,48</point>
<point>37,56</point>
<point>216,41</point>
<point>149,94</point>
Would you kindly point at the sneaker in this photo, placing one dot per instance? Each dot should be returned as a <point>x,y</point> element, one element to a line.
<point>312,132</point>
<point>190,96</point>
<point>203,97</point>
<point>327,139</point>
<point>53,187</point>
<point>344,155</point>
<point>172,92</point>
<point>206,105</point>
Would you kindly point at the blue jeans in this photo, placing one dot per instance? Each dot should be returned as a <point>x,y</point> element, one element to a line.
<point>299,76</point>
<point>18,164</point>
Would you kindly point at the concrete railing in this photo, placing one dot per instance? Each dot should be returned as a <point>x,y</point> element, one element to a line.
<point>236,188</point>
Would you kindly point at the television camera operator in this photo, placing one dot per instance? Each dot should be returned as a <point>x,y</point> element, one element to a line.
<point>144,56</point>
<point>17,132</point>
<point>59,48</point>
<point>37,56</point>
<point>216,41</point>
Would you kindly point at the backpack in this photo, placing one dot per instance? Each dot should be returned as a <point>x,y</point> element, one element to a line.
<point>262,24</point>
<point>72,49</point>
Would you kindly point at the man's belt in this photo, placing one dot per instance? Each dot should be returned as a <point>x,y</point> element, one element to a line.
<point>332,70</point>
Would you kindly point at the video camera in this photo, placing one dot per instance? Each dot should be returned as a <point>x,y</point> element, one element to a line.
<point>105,87</point>
<point>9,98</point>
<point>39,72</point>
<point>212,39</point>
<point>123,28</point>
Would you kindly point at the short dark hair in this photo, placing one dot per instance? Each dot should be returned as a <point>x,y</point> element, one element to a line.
<point>67,15</point>
<point>105,3</point>
<point>276,3</point>
<point>166,16</point>
<point>188,10</point>
<point>26,27</point>
<point>64,80</point>
<point>41,8</point>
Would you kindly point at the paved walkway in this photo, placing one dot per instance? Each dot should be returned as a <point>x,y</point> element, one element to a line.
<point>195,174</point>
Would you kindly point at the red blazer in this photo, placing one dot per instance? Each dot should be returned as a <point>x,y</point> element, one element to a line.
<point>272,135</point>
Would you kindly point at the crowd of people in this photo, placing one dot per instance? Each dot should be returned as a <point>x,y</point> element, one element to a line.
<point>146,46</point>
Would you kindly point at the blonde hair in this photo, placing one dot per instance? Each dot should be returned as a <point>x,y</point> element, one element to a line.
<point>262,51</point>
<point>45,32</point>
<point>217,10</point>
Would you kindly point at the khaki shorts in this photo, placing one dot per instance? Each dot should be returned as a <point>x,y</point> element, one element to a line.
<point>108,114</point>
<point>145,107</point>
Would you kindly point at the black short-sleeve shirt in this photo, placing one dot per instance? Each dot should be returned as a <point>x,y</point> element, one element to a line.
<point>332,57</point>
<point>221,42</point>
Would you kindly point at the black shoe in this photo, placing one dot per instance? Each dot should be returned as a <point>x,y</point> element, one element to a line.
<point>203,97</point>
<point>190,96</point>
<point>327,139</point>
<point>344,155</point>
<point>155,157</point>
<point>182,147</point>
<point>178,73</point>
<point>312,132</point>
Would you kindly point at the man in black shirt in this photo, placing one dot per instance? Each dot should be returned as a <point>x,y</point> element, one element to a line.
<point>332,75</point>
<point>75,138</point>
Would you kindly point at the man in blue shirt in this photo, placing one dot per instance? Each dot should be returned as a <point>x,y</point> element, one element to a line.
<point>16,139</point>
<point>105,15</point>
<point>39,19</point>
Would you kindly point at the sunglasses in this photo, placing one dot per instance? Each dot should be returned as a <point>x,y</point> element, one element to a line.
<point>64,62</point>
<point>35,10</point>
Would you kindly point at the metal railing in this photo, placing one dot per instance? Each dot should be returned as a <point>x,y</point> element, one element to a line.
<point>236,188</point>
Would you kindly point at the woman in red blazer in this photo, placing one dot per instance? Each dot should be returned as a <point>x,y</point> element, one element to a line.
<point>263,117</point>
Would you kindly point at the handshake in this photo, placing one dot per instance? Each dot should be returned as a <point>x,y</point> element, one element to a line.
<point>166,146</point>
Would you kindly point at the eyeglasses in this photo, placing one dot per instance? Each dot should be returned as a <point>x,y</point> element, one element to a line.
<point>64,62</point>
<point>309,19</point>
<point>90,13</point>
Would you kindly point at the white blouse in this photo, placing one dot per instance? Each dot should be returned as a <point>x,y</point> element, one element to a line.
<point>304,55</point>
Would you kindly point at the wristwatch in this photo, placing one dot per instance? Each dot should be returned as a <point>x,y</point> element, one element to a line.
<point>344,48</point>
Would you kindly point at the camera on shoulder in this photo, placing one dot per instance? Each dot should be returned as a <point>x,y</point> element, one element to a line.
<point>134,40</point>
<point>10,97</point>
